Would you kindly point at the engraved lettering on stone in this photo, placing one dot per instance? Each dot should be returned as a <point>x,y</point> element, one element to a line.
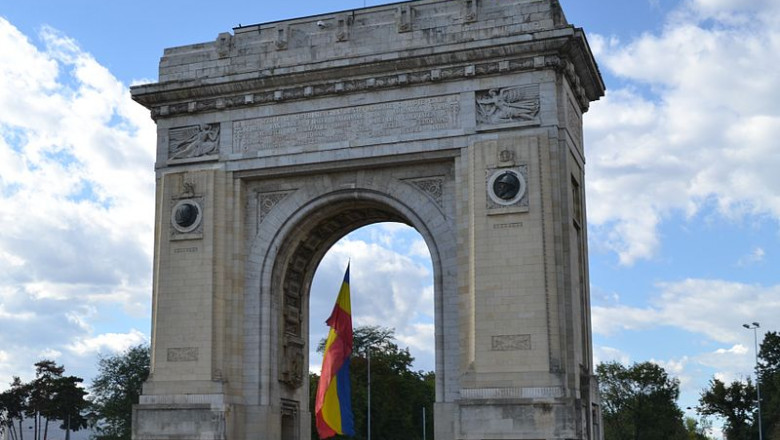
<point>266,202</point>
<point>432,187</point>
<point>347,124</point>
<point>184,354</point>
<point>516,104</point>
<point>193,141</point>
<point>508,225</point>
<point>188,250</point>
<point>511,342</point>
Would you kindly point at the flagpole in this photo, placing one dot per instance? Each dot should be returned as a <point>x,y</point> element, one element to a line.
<point>368,357</point>
<point>423,423</point>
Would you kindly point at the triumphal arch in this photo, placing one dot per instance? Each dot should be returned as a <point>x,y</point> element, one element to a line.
<point>461,118</point>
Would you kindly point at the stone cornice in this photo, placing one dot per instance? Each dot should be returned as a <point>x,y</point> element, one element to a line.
<point>565,50</point>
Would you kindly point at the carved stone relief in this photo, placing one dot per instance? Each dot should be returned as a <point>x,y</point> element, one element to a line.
<point>193,141</point>
<point>183,354</point>
<point>507,187</point>
<point>292,369</point>
<point>186,217</point>
<point>511,342</point>
<point>514,104</point>
<point>433,186</point>
<point>344,124</point>
<point>267,201</point>
<point>574,122</point>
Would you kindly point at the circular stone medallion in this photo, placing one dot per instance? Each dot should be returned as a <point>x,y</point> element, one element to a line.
<point>506,187</point>
<point>186,216</point>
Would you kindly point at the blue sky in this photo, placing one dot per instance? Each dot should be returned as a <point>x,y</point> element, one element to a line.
<point>682,183</point>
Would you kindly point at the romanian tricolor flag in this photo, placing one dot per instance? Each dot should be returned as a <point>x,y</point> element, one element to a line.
<point>333,407</point>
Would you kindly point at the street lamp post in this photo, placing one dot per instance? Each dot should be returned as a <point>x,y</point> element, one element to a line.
<point>755,326</point>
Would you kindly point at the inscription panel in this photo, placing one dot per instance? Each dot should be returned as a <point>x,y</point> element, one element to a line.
<point>511,342</point>
<point>347,124</point>
<point>183,354</point>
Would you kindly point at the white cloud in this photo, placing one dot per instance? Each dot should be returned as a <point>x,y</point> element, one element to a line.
<point>603,354</point>
<point>112,342</point>
<point>76,201</point>
<point>755,256</point>
<point>388,288</point>
<point>695,124</point>
<point>714,308</point>
<point>50,354</point>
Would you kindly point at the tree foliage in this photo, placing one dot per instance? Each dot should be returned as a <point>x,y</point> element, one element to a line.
<point>736,403</point>
<point>49,397</point>
<point>398,394</point>
<point>697,429</point>
<point>116,389</point>
<point>640,403</point>
<point>769,372</point>
<point>13,404</point>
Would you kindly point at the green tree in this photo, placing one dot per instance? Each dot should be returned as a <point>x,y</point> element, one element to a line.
<point>734,403</point>
<point>116,389</point>
<point>13,405</point>
<point>398,394</point>
<point>48,397</point>
<point>41,406</point>
<point>697,429</point>
<point>69,404</point>
<point>640,403</point>
<point>769,372</point>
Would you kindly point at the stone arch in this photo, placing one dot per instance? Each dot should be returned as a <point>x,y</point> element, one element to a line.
<point>292,240</point>
<point>297,144</point>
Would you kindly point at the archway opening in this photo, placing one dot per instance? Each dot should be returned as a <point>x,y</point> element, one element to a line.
<point>392,289</point>
<point>391,286</point>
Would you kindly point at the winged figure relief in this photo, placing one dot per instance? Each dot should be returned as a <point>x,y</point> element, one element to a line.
<point>194,141</point>
<point>507,105</point>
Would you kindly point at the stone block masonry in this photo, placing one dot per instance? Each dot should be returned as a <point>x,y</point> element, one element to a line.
<point>461,118</point>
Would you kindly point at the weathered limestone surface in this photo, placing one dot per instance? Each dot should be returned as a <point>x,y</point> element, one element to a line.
<point>461,118</point>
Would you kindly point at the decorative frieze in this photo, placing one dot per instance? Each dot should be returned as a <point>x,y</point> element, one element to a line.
<point>355,85</point>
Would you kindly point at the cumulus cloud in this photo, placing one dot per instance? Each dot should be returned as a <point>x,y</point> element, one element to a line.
<point>388,287</point>
<point>76,199</point>
<point>109,342</point>
<point>693,126</point>
<point>713,308</point>
<point>604,354</point>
